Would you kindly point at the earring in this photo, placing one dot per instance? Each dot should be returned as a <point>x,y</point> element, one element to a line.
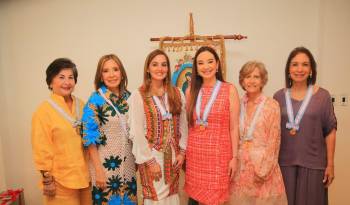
<point>310,76</point>
<point>290,80</point>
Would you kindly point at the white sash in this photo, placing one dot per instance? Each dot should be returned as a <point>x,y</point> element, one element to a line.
<point>166,115</point>
<point>249,134</point>
<point>75,122</point>
<point>294,123</point>
<point>204,120</point>
<point>121,121</point>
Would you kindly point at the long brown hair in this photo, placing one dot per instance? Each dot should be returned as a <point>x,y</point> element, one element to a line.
<point>98,76</point>
<point>173,97</point>
<point>197,81</point>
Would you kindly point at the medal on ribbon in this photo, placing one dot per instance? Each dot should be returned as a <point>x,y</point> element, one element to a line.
<point>293,123</point>
<point>76,123</point>
<point>122,122</point>
<point>292,132</point>
<point>164,110</point>
<point>248,135</point>
<point>203,122</point>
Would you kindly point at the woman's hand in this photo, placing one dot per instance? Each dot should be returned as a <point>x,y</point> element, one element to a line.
<point>49,188</point>
<point>232,166</point>
<point>179,160</point>
<point>328,176</point>
<point>101,179</point>
<point>155,171</point>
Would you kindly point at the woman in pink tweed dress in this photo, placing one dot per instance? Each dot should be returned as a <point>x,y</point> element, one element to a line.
<point>213,131</point>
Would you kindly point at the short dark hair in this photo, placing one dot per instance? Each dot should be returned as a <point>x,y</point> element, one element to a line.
<point>56,66</point>
<point>311,80</point>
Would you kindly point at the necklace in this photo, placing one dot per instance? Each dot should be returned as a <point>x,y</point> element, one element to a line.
<point>76,123</point>
<point>121,121</point>
<point>249,133</point>
<point>203,122</point>
<point>293,123</point>
<point>164,110</point>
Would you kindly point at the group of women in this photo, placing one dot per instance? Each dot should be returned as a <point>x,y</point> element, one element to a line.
<point>253,150</point>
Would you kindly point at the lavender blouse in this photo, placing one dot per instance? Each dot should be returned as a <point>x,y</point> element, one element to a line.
<point>308,147</point>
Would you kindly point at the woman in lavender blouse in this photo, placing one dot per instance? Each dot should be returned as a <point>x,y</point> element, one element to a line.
<point>308,132</point>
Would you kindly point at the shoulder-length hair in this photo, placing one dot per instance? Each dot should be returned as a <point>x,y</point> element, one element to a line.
<point>98,76</point>
<point>197,81</point>
<point>173,97</point>
<point>249,67</point>
<point>312,79</point>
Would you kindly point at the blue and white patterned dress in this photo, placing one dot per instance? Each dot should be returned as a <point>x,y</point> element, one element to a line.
<point>102,127</point>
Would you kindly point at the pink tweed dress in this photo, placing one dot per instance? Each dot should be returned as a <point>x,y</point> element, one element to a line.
<point>209,151</point>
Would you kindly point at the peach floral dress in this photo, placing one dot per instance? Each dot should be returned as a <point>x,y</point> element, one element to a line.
<point>258,178</point>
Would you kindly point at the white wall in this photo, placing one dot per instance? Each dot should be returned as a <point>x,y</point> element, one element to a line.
<point>2,173</point>
<point>34,32</point>
<point>2,107</point>
<point>335,68</point>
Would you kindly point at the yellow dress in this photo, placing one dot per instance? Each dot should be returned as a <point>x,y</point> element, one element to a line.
<point>57,146</point>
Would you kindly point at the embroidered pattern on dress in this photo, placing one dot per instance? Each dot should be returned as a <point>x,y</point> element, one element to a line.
<point>161,135</point>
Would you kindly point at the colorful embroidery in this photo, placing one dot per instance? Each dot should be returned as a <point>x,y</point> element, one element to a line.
<point>161,135</point>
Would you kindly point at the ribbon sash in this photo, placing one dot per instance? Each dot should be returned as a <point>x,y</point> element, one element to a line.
<point>76,123</point>
<point>203,122</point>
<point>166,115</point>
<point>122,122</point>
<point>249,133</point>
<point>293,123</point>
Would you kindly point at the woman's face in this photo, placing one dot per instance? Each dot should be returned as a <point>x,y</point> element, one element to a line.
<point>207,65</point>
<point>111,74</point>
<point>158,68</point>
<point>300,68</point>
<point>252,83</point>
<point>63,83</point>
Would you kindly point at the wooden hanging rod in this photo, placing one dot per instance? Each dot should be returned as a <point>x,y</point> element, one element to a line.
<point>234,37</point>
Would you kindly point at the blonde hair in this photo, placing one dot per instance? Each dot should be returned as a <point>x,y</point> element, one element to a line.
<point>249,67</point>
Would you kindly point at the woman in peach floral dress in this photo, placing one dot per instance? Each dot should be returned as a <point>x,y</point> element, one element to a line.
<point>258,178</point>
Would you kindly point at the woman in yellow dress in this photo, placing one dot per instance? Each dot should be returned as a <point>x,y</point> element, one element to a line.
<point>56,141</point>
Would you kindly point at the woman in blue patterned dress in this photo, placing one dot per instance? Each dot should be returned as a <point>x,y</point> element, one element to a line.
<point>105,134</point>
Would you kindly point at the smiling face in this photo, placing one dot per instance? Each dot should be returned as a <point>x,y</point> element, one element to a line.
<point>253,83</point>
<point>207,65</point>
<point>63,83</point>
<point>158,68</point>
<point>300,68</point>
<point>111,75</point>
